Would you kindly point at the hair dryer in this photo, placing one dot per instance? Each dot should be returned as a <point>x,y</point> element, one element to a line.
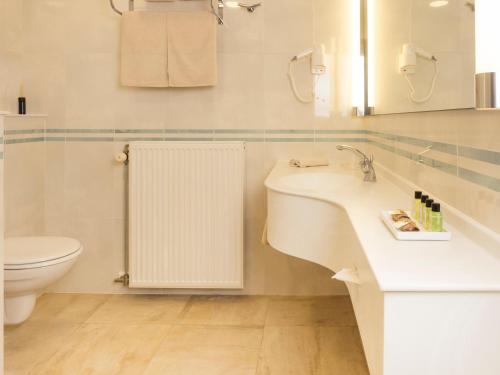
<point>408,65</point>
<point>318,67</point>
<point>408,58</point>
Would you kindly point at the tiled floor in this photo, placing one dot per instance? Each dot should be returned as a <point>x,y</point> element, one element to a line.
<point>98,334</point>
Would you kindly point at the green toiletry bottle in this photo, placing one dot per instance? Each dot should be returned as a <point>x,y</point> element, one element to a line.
<point>416,205</point>
<point>436,218</point>
<point>421,217</point>
<point>428,209</point>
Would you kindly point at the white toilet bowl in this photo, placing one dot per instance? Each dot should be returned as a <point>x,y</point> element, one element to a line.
<point>31,264</point>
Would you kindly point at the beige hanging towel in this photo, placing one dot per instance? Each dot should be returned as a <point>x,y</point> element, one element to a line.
<point>144,49</point>
<point>192,49</point>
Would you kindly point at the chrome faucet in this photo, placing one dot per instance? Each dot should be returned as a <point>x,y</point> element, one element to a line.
<point>366,163</point>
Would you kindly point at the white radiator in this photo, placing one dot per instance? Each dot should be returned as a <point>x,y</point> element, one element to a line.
<point>186,214</point>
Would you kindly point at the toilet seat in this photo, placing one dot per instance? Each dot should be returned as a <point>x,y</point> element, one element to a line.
<point>36,252</point>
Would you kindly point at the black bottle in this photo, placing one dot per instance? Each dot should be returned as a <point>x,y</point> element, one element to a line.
<point>21,102</point>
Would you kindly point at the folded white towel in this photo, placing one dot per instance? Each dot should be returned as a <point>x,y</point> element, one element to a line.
<point>144,49</point>
<point>169,49</point>
<point>192,49</point>
<point>308,162</point>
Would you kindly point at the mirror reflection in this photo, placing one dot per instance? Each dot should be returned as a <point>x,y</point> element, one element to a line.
<point>423,55</point>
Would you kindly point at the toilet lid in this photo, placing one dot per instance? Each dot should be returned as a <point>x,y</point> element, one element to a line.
<point>28,250</point>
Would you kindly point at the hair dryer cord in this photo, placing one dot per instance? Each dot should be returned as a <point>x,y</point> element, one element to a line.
<point>299,97</point>
<point>411,94</point>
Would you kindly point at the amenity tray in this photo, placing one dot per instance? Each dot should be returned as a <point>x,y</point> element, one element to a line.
<point>422,235</point>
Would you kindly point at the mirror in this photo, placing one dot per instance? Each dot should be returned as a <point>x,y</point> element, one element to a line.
<point>420,55</point>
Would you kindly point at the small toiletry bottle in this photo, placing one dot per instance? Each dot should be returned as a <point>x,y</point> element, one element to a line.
<point>428,208</point>
<point>21,102</point>
<point>423,199</point>
<point>416,205</point>
<point>436,218</point>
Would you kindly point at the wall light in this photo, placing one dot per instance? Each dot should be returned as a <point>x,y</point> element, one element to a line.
<point>357,60</point>
<point>363,56</point>
<point>370,46</point>
<point>487,54</point>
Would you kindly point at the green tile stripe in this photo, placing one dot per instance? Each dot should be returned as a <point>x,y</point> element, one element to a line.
<point>24,131</point>
<point>477,178</point>
<point>290,131</point>
<point>249,135</point>
<point>489,182</point>
<point>276,136</point>
<point>129,135</point>
<point>341,131</point>
<point>345,139</point>
<point>24,140</point>
<point>90,139</point>
<point>436,146</point>
<point>487,156</point>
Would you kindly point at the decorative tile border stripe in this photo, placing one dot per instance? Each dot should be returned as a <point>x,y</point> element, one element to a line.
<point>24,140</point>
<point>487,156</point>
<point>436,146</point>
<point>130,135</point>
<point>18,136</point>
<point>24,131</point>
<point>486,181</point>
<point>477,178</point>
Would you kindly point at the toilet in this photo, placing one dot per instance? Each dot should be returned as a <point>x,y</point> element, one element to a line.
<point>30,265</point>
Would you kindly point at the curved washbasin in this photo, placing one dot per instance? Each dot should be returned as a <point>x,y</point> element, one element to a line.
<point>302,224</point>
<point>318,181</point>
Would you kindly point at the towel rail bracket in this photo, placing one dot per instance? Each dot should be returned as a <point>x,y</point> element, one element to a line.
<point>219,14</point>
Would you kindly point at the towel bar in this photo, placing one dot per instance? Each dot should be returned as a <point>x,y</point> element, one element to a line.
<point>219,14</point>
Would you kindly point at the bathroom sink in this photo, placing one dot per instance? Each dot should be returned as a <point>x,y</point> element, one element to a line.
<point>302,224</point>
<point>318,181</point>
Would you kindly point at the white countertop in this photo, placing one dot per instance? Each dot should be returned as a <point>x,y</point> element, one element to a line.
<point>462,264</point>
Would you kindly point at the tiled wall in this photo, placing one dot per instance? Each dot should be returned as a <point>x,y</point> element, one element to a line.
<point>462,166</point>
<point>66,54</point>
<point>25,175</point>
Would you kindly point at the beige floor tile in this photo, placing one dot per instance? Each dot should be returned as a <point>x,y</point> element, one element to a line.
<point>32,343</point>
<point>208,350</point>
<point>321,311</point>
<point>105,349</point>
<point>139,309</point>
<point>302,350</point>
<point>72,308</point>
<point>228,311</point>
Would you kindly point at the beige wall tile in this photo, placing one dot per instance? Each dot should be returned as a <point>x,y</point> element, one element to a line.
<point>88,180</point>
<point>54,179</point>
<point>101,259</point>
<point>287,29</point>
<point>24,189</point>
